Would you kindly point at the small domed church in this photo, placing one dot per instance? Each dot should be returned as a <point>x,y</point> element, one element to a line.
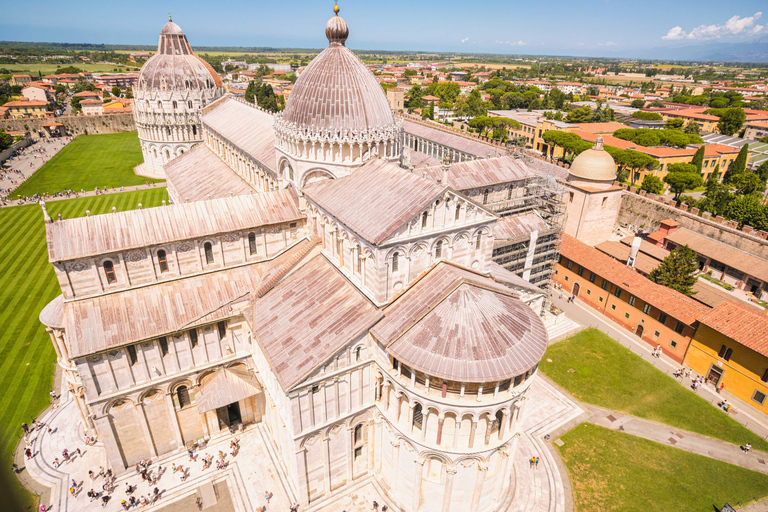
<point>303,282</point>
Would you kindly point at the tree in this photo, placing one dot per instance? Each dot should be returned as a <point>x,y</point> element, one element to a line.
<point>652,184</point>
<point>116,91</point>
<point>692,127</point>
<point>731,121</point>
<point>481,123</point>
<point>698,158</point>
<point>637,103</point>
<point>739,165</point>
<point>748,210</point>
<point>682,177</point>
<point>579,115</point>
<point>674,124</point>
<point>250,92</point>
<point>762,171</point>
<point>656,104</point>
<point>649,116</point>
<point>6,141</point>
<point>678,270</point>
<point>747,183</point>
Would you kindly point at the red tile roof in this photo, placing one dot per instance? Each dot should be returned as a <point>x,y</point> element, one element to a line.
<point>742,324</point>
<point>665,299</point>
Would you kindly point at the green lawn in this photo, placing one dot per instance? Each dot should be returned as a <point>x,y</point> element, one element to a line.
<point>610,470</point>
<point>609,375</point>
<point>87,162</point>
<point>47,68</point>
<point>27,284</point>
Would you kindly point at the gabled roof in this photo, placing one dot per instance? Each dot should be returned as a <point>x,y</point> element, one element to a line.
<point>117,319</point>
<point>200,174</point>
<point>376,199</point>
<point>459,325</point>
<point>675,304</point>
<point>245,127</point>
<point>480,173</point>
<point>103,234</point>
<point>514,227</point>
<point>742,324</point>
<point>309,316</point>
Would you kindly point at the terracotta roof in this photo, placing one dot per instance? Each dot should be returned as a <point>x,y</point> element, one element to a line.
<point>85,94</point>
<point>730,256</point>
<point>512,228</point>
<point>116,319</point>
<point>245,127</point>
<point>654,251</point>
<point>102,234</point>
<point>620,252</point>
<point>200,174</point>
<point>308,317</point>
<point>609,127</point>
<point>479,173</point>
<point>375,212</point>
<point>742,324</point>
<point>91,102</point>
<point>26,103</point>
<point>665,299</point>
<point>462,326</point>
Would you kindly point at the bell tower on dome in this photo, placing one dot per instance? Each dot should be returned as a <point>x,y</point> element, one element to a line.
<point>173,87</point>
<point>337,116</point>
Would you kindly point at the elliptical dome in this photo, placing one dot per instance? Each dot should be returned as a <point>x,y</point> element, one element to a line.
<point>336,92</point>
<point>594,164</point>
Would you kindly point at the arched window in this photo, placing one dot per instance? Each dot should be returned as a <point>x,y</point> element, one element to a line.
<point>418,417</point>
<point>728,354</point>
<point>159,104</point>
<point>186,85</point>
<point>182,394</point>
<point>458,212</point>
<point>147,104</point>
<point>189,103</point>
<point>252,243</point>
<point>208,252</point>
<point>109,271</point>
<point>194,130</point>
<point>175,105</point>
<point>162,261</point>
<point>485,196</point>
<point>395,257</point>
<point>358,353</point>
<point>424,217</point>
<point>168,130</point>
<point>290,173</point>
<point>439,249</point>
<point>496,423</point>
<point>478,241</point>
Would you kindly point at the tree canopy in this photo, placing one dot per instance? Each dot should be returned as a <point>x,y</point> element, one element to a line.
<point>652,184</point>
<point>678,270</point>
<point>681,177</point>
<point>649,138</point>
<point>648,116</point>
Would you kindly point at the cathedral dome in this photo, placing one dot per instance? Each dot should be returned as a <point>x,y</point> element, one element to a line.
<point>336,92</point>
<point>594,164</point>
<point>175,67</point>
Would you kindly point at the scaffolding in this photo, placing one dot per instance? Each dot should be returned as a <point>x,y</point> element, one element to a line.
<point>545,195</point>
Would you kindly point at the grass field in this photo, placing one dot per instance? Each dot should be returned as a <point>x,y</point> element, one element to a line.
<point>46,68</point>
<point>87,162</point>
<point>609,375</point>
<point>27,284</point>
<point>610,470</point>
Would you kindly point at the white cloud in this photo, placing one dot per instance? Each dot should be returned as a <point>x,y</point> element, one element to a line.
<point>607,43</point>
<point>513,43</point>
<point>464,40</point>
<point>735,26</point>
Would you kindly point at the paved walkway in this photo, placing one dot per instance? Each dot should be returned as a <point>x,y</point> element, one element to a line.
<point>740,410</point>
<point>257,468</point>
<point>91,193</point>
<point>28,162</point>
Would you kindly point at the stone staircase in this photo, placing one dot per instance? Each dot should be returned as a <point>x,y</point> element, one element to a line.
<point>562,328</point>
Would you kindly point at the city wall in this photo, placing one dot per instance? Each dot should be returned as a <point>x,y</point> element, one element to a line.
<point>8,153</point>
<point>76,125</point>
<point>639,209</point>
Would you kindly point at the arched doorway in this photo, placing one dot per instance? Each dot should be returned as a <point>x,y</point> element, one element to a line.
<point>639,331</point>
<point>576,289</point>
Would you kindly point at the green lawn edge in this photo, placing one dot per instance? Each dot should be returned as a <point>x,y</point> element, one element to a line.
<point>609,375</point>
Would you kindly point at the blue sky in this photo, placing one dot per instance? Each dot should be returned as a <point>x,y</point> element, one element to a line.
<point>590,27</point>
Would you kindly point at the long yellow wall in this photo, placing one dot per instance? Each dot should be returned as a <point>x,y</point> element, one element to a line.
<point>741,375</point>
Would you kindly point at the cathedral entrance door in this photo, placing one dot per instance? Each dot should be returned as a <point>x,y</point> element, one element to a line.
<point>228,415</point>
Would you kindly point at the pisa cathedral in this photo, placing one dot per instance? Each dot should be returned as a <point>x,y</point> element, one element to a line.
<point>304,281</point>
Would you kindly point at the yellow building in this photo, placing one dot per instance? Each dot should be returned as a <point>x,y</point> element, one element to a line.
<point>730,348</point>
<point>25,108</point>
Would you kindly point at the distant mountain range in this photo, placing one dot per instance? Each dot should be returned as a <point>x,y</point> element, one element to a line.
<point>718,52</point>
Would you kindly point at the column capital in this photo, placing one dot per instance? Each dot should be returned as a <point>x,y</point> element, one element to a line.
<point>451,470</point>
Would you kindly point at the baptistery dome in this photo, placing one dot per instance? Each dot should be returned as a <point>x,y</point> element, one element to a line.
<point>594,164</point>
<point>173,86</point>
<point>337,115</point>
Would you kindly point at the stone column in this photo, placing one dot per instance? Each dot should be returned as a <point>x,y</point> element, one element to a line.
<point>482,470</point>
<point>450,473</point>
<point>411,407</point>
<point>472,430</point>
<point>350,454</point>
<point>301,469</point>
<point>174,420</point>
<point>145,428</point>
<point>395,463</point>
<point>108,436</point>
<point>504,423</point>
<point>327,466</point>
<point>419,474</point>
<point>440,420</point>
